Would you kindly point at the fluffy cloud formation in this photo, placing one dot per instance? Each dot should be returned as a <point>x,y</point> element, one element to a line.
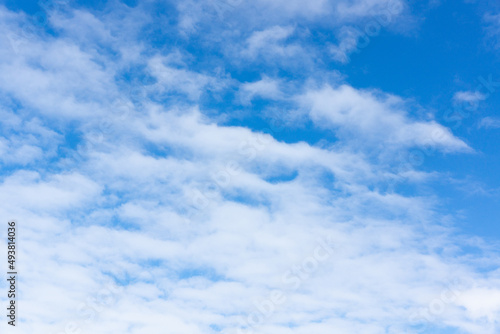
<point>376,120</point>
<point>148,210</point>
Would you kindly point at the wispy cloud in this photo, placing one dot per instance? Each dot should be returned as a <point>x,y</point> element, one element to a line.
<point>493,28</point>
<point>489,123</point>
<point>469,97</point>
<point>266,88</point>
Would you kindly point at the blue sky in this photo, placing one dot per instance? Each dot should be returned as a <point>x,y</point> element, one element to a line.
<point>226,166</point>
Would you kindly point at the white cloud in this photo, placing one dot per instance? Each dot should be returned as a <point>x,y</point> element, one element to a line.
<point>54,77</point>
<point>481,302</point>
<point>270,42</point>
<point>25,141</point>
<point>348,38</point>
<point>373,17</point>
<point>493,28</point>
<point>172,79</point>
<point>296,8</point>
<point>375,120</point>
<point>24,189</point>
<point>331,12</point>
<point>489,123</point>
<point>219,21</point>
<point>266,88</point>
<point>349,9</point>
<point>469,97</point>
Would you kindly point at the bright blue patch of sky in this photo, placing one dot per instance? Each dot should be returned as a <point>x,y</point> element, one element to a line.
<point>208,273</point>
